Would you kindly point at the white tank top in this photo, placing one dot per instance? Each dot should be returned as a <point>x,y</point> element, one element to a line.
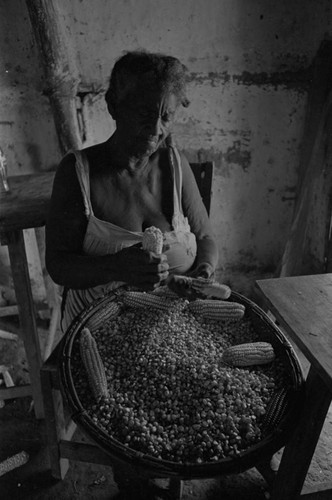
<point>103,238</point>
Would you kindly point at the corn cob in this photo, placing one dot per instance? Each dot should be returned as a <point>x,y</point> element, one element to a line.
<point>110,311</point>
<point>276,409</point>
<point>153,240</point>
<point>13,462</point>
<point>217,309</point>
<point>197,287</point>
<point>211,288</point>
<point>93,365</point>
<point>253,353</point>
<point>143,300</point>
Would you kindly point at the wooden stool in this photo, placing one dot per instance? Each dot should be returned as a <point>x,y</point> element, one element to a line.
<point>25,206</point>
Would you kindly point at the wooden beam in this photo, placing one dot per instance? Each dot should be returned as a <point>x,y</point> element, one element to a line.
<point>8,335</point>
<point>84,452</point>
<point>301,447</point>
<point>313,172</point>
<point>57,56</point>
<point>8,311</point>
<point>21,279</point>
<point>19,391</point>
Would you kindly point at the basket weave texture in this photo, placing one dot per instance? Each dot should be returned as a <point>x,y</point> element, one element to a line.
<point>281,419</point>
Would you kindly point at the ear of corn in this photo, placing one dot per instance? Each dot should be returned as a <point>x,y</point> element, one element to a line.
<point>198,287</point>
<point>153,240</point>
<point>93,365</point>
<point>276,409</point>
<point>11,463</point>
<point>144,299</point>
<point>253,353</point>
<point>211,288</point>
<point>217,309</point>
<point>110,311</point>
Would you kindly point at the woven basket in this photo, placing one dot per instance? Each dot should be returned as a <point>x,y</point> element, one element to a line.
<point>280,427</point>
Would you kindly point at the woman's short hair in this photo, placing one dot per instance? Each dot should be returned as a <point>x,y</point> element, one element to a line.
<point>140,72</point>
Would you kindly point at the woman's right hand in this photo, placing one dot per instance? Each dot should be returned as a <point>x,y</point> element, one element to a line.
<point>140,268</point>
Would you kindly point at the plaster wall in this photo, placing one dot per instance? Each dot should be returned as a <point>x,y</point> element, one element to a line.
<point>249,65</point>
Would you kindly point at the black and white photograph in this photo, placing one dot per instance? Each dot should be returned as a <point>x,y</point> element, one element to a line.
<point>165,250</point>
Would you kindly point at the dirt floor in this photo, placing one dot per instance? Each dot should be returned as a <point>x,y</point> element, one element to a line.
<point>20,430</point>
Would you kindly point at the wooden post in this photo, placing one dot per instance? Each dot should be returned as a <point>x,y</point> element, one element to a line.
<point>313,167</point>
<point>60,69</point>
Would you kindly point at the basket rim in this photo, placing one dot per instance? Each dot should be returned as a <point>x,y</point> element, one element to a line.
<point>118,451</point>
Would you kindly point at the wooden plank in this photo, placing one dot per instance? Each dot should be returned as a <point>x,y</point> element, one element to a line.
<point>28,325</point>
<point>35,267</point>
<point>302,305</point>
<point>26,204</point>
<point>322,491</point>
<point>299,450</point>
<point>13,310</point>
<point>313,170</point>
<point>8,335</point>
<point>8,311</point>
<point>53,426</point>
<point>19,391</point>
<point>83,452</point>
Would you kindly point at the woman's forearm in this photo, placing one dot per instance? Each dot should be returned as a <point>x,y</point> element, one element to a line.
<point>82,271</point>
<point>207,252</point>
<point>131,265</point>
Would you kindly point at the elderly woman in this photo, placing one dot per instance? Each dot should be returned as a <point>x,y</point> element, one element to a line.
<point>104,196</point>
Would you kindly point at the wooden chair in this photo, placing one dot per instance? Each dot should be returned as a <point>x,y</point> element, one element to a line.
<point>203,175</point>
<point>59,427</point>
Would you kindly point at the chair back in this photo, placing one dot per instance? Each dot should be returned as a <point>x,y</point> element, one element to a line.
<point>203,175</point>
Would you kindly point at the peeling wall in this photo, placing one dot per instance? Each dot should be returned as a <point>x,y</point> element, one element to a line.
<point>250,69</point>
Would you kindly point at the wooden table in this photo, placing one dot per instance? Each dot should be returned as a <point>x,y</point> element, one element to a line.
<point>25,206</point>
<point>303,307</point>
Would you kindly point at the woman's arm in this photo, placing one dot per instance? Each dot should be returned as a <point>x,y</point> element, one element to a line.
<point>65,230</point>
<point>193,207</point>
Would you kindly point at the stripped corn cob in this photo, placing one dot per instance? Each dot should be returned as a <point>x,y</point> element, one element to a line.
<point>144,300</point>
<point>153,240</point>
<point>93,365</point>
<point>110,311</point>
<point>217,309</point>
<point>276,409</point>
<point>253,353</point>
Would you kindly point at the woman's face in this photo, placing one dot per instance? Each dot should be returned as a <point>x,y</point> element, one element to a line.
<point>144,122</point>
